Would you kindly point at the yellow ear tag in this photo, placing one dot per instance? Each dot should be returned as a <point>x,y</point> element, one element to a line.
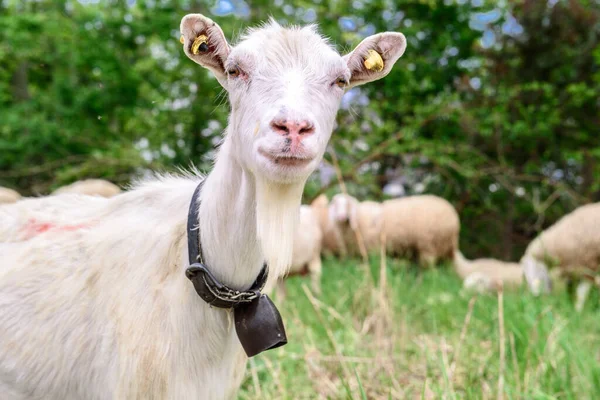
<point>182,39</point>
<point>200,44</point>
<point>374,62</point>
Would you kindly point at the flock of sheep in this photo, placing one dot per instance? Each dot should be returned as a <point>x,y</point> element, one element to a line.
<point>425,228</point>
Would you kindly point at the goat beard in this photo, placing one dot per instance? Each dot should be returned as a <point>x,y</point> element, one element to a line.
<point>277,214</point>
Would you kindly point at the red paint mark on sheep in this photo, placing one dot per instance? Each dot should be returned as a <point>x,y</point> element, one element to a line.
<point>41,228</point>
<point>34,228</point>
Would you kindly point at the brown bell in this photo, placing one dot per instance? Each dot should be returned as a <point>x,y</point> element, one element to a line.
<point>259,326</point>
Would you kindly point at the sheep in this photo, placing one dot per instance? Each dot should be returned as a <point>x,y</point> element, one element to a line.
<point>487,274</point>
<point>572,245</point>
<point>426,225</point>
<point>320,204</point>
<point>370,221</point>
<point>306,254</point>
<point>8,196</point>
<point>332,243</point>
<point>348,215</point>
<point>100,307</point>
<point>90,187</point>
<point>329,243</point>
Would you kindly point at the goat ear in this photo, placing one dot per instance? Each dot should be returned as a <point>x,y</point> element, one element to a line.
<point>204,43</point>
<point>374,57</point>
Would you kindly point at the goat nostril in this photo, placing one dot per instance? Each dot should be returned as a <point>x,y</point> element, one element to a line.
<point>280,126</point>
<point>286,127</point>
<point>307,130</point>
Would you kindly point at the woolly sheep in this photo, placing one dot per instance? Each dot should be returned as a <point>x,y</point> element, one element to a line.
<point>426,225</point>
<point>487,274</point>
<point>332,243</point>
<point>369,216</point>
<point>95,303</point>
<point>90,187</point>
<point>8,196</point>
<point>306,255</point>
<point>572,245</point>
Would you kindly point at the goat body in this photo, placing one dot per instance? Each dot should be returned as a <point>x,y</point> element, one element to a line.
<point>99,308</point>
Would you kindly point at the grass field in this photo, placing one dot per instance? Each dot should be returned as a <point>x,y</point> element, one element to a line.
<point>426,338</point>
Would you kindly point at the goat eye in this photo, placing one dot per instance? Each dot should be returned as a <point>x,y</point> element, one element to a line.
<point>233,72</point>
<point>341,82</point>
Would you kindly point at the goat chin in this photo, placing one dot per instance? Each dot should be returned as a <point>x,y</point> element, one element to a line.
<point>277,213</point>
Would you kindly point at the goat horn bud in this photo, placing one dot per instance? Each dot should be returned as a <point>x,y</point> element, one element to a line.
<point>182,39</point>
<point>374,62</point>
<point>200,44</point>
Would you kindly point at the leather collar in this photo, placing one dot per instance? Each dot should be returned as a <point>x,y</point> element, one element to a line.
<point>257,321</point>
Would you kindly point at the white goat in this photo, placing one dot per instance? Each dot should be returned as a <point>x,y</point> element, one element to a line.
<point>90,187</point>
<point>9,196</point>
<point>306,255</point>
<point>100,308</point>
<point>572,245</point>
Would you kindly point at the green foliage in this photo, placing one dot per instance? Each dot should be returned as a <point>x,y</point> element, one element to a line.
<point>507,131</point>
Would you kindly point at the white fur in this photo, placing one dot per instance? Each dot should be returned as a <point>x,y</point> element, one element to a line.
<point>94,303</point>
<point>306,254</point>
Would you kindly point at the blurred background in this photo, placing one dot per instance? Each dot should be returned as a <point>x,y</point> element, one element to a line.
<point>494,106</point>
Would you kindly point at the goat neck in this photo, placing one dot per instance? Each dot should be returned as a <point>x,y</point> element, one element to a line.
<point>245,220</point>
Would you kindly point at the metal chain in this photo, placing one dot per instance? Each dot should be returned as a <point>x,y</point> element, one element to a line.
<point>229,295</point>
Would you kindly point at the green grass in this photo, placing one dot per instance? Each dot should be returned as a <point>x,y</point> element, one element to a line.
<point>354,343</point>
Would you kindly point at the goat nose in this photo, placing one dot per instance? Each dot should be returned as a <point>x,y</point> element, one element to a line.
<point>287,127</point>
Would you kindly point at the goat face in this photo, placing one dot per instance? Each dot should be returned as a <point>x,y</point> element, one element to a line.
<point>285,86</point>
<point>284,98</point>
